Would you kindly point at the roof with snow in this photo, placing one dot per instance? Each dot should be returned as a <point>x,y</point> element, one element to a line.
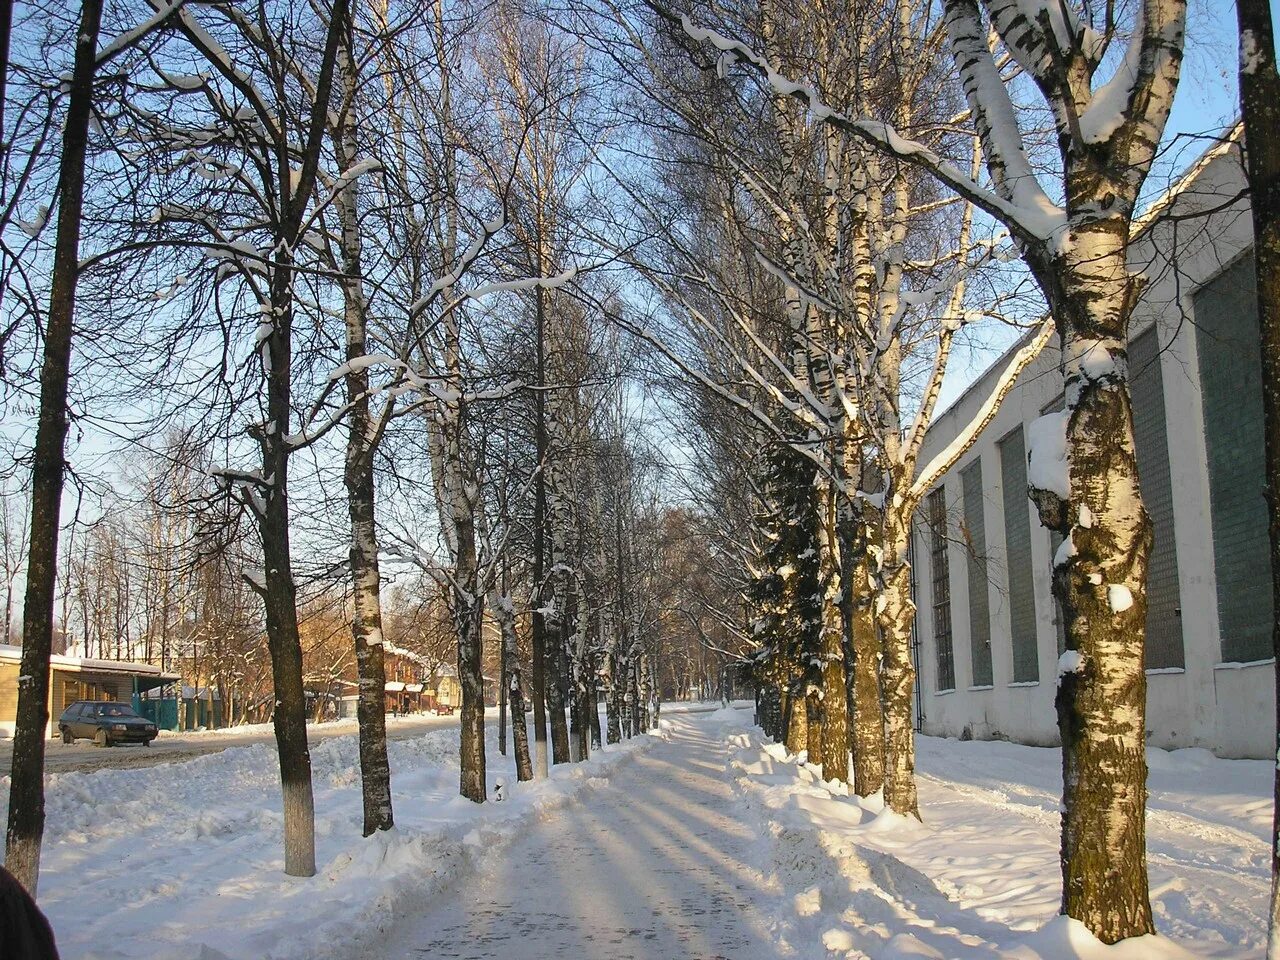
<point>152,674</point>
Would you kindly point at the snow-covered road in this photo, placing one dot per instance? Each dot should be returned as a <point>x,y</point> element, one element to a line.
<point>702,841</point>
<point>716,844</point>
<point>655,867</point>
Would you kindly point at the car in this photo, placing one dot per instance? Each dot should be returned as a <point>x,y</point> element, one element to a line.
<point>105,723</point>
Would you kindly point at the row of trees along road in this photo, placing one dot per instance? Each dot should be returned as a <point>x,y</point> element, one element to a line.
<point>447,242</point>
<point>339,246</point>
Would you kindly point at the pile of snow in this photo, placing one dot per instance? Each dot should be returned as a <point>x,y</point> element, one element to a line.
<point>980,877</point>
<point>186,859</point>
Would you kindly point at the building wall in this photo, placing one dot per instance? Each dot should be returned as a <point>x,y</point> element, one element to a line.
<point>1195,699</point>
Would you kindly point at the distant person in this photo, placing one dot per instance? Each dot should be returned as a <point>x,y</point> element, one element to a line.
<point>25,934</point>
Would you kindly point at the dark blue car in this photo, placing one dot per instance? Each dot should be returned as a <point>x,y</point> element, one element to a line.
<point>105,723</point>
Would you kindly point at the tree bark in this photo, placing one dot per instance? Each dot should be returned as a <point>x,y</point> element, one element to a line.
<point>797,719</point>
<point>1260,110</point>
<point>1100,581</point>
<point>835,702</point>
<point>502,702</point>
<point>868,727</point>
<point>366,624</point>
<point>505,611</point>
<point>897,677</point>
<point>25,831</point>
<point>469,616</point>
<point>540,544</point>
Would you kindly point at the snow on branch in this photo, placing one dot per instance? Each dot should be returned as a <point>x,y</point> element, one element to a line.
<point>163,11</point>
<point>527,283</point>
<point>1031,216</point>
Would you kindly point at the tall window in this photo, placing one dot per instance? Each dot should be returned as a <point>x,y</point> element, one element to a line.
<point>1017,545</point>
<point>1226,311</point>
<point>941,577</point>
<point>975,530</point>
<point>1151,439</point>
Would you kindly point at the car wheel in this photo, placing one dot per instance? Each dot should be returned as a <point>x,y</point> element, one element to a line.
<point>101,739</point>
<point>66,736</point>
<point>146,743</point>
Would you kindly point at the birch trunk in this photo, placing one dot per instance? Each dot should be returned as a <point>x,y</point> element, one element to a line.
<point>797,715</point>
<point>897,678</point>
<point>834,755</point>
<point>1260,109</point>
<point>505,612</point>
<point>613,701</point>
<point>868,712</point>
<point>366,624</point>
<point>469,614</point>
<point>1100,581</point>
<point>25,831</point>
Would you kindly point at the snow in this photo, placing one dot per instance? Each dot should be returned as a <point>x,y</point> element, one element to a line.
<point>1250,52</point>
<point>186,859</point>
<point>704,840</point>
<point>1071,661</point>
<point>1047,467</point>
<point>1106,111</point>
<point>32,228</point>
<point>1119,597</point>
<point>980,878</point>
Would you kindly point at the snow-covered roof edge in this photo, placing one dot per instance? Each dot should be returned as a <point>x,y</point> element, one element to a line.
<point>14,653</point>
<point>1141,224</point>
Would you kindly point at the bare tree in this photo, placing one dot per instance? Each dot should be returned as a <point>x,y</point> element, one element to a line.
<point>26,790</point>
<point>1260,112</point>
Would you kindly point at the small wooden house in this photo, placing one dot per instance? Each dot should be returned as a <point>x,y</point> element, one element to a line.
<point>76,678</point>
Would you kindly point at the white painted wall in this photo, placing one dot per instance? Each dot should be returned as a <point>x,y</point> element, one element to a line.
<point>1228,709</point>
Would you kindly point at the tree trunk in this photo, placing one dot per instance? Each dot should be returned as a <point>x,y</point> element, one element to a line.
<point>613,701</point>
<point>1101,699</point>
<point>898,674</point>
<point>834,755</point>
<point>813,705</point>
<point>797,719</point>
<point>593,708</point>
<point>579,666</point>
<point>469,615</point>
<point>506,614</point>
<point>366,624</point>
<point>502,702</point>
<point>290,715</point>
<point>25,830</point>
<point>1260,109</point>
<point>868,727</point>
<point>540,544</point>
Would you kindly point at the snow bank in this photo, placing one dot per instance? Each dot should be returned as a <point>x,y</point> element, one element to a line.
<point>980,877</point>
<point>186,859</point>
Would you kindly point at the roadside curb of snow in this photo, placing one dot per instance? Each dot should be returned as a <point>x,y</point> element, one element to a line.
<point>857,901</point>
<point>411,868</point>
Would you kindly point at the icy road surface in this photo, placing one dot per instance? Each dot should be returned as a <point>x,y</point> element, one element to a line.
<point>655,867</point>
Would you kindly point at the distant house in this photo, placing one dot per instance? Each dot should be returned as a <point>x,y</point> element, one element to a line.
<point>406,687</point>
<point>989,629</point>
<point>444,689</point>
<point>76,678</point>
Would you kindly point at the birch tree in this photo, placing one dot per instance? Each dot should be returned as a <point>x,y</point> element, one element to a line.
<point>1083,469</point>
